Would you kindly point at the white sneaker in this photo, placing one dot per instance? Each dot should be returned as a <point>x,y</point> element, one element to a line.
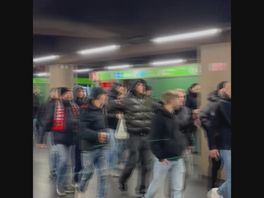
<point>79,194</point>
<point>214,194</point>
<point>60,193</point>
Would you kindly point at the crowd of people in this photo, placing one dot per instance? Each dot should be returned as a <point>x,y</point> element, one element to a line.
<point>82,138</point>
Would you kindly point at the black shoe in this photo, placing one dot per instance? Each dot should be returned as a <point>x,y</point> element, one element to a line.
<point>141,191</point>
<point>122,187</point>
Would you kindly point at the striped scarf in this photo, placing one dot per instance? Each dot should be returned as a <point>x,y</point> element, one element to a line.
<point>59,116</point>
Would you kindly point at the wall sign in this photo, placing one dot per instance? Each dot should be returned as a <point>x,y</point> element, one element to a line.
<point>158,72</point>
<point>217,67</point>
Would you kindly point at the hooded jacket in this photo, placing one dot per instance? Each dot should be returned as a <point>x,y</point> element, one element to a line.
<point>166,139</point>
<point>185,121</point>
<point>221,126</point>
<point>192,100</point>
<point>92,121</point>
<point>207,114</point>
<point>81,102</point>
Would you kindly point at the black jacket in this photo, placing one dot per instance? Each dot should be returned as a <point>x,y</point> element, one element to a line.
<point>184,118</point>
<point>207,114</point>
<point>138,112</point>
<point>221,125</point>
<point>192,100</point>
<point>113,107</point>
<point>36,105</point>
<point>66,137</point>
<point>82,103</point>
<point>92,121</point>
<point>166,139</point>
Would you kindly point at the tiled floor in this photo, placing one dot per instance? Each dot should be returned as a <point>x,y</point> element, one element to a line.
<point>44,188</point>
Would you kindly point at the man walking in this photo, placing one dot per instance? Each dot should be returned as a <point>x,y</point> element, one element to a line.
<point>168,144</point>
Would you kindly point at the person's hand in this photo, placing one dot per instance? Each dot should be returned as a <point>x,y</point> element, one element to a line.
<point>189,150</point>
<point>102,137</point>
<point>41,146</point>
<point>164,161</point>
<point>119,116</point>
<point>196,111</point>
<point>214,153</point>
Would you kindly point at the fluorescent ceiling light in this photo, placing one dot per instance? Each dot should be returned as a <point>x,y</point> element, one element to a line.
<point>167,62</point>
<point>191,35</point>
<point>118,67</point>
<point>45,58</point>
<point>82,70</point>
<point>41,74</point>
<point>99,50</point>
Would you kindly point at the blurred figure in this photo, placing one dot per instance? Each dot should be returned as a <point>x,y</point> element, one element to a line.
<point>184,117</point>
<point>193,102</point>
<point>206,116</point>
<point>53,97</point>
<point>221,124</point>
<point>36,106</point>
<point>193,97</point>
<point>138,112</point>
<point>148,91</point>
<point>81,100</point>
<point>62,119</point>
<point>168,144</point>
<point>114,113</point>
<point>93,141</point>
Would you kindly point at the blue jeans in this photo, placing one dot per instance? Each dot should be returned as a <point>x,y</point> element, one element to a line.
<point>112,150</point>
<point>175,172</point>
<point>225,188</point>
<point>91,160</point>
<point>53,155</point>
<point>121,148</point>
<point>64,155</point>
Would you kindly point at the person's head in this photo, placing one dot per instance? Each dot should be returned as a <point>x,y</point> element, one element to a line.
<point>65,94</point>
<point>224,89</point>
<point>228,91</point>
<point>36,90</point>
<point>148,90</point>
<point>80,93</point>
<point>54,93</point>
<point>139,87</point>
<point>174,98</point>
<point>98,96</point>
<point>118,87</point>
<point>195,88</point>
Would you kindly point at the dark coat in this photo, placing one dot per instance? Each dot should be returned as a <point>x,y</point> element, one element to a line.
<point>92,121</point>
<point>166,139</point>
<point>138,112</point>
<point>66,137</point>
<point>184,118</point>
<point>192,100</point>
<point>221,125</point>
<point>207,115</point>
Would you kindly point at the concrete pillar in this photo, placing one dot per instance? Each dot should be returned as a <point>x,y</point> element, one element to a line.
<point>215,66</point>
<point>61,75</point>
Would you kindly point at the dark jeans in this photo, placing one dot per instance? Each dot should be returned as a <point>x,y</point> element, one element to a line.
<point>215,166</point>
<point>139,152</point>
<point>77,163</point>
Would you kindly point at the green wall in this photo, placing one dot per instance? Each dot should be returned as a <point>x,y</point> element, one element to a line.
<point>159,86</point>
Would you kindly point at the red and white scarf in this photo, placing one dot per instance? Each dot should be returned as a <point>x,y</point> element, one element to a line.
<point>59,116</point>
